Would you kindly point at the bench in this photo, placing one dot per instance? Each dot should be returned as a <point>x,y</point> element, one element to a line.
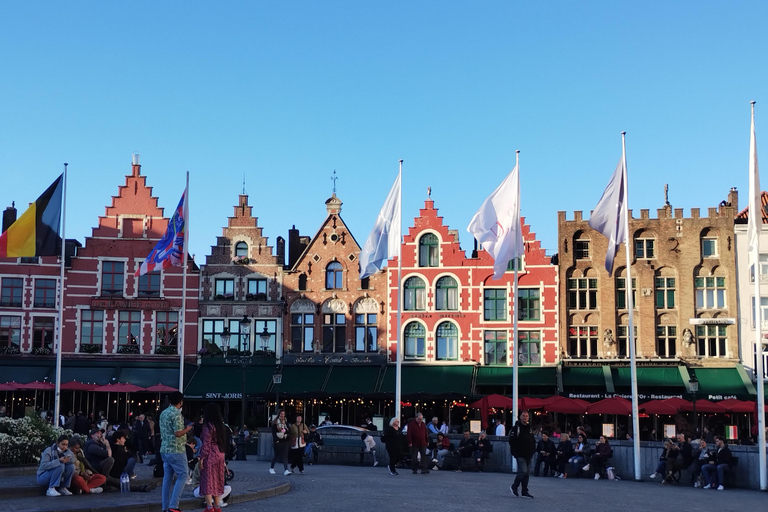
<point>339,450</point>
<point>455,462</point>
<point>730,477</point>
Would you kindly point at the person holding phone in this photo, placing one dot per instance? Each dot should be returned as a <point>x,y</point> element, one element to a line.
<point>56,468</point>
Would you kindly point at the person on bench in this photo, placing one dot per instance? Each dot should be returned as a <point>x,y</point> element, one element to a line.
<point>700,457</point>
<point>482,448</point>
<point>314,441</point>
<point>666,454</point>
<point>467,445</point>
<point>443,449</point>
<point>563,453</point>
<point>682,459</point>
<point>545,454</point>
<point>719,462</point>
<point>599,459</point>
<point>580,453</point>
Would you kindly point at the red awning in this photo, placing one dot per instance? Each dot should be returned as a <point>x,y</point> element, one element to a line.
<point>705,406</point>
<point>37,385</point>
<point>659,407</point>
<point>615,405</point>
<point>8,386</point>
<point>77,386</point>
<point>119,387</point>
<point>565,405</point>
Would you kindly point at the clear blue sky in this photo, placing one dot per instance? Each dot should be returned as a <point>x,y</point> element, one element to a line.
<point>285,92</point>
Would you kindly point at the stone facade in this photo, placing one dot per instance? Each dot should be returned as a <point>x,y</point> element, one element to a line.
<point>453,320</point>
<point>685,292</point>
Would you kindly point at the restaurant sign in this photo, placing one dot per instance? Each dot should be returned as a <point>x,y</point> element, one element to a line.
<point>156,304</point>
<point>320,359</point>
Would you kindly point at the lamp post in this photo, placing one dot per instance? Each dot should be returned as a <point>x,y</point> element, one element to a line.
<point>277,378</point>
<point>245,346</point>
<point>694,385</point>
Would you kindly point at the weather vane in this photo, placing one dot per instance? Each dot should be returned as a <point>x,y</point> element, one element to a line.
<point>333,179</point>
<point>429,192</point>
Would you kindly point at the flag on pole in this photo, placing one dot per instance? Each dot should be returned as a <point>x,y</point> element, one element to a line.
<point>609,215</point>
<point>37,231</point>
<point>496,225</point>
<point>169,251</point>
<point>384,241</point>
<point>755,203</point>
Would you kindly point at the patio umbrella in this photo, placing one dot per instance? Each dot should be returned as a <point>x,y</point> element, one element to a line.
<point>37,386</point>
<point>615,405</point>
<point>119,387</point>
<point>659,407</point>
<point>734,405</point>
<point>678,402</point>
<point>706,406</point>
<point>9,386</point>
<point>160,388</point>
<point>77,386</point>
<point>527,403</point>
<point>495,401</point>
<point>565,405</point>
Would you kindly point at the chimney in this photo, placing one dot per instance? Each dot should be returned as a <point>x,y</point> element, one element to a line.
<point>733,198</point>
<point>281,251</point>
<point>136,167</point>
<point>474,251</point>
<point>294,246</point>
<point>9,216</point>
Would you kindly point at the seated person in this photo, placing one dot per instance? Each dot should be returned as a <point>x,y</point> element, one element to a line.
<point>599,459</point>
<point>56,468</point>
<point>580,453</point>
<point>85,479</point>
<point>467,445</point>
<point>192,452</point>
<point>717,464</point>
<point>433,427</point>
<point>483,447</point>
<point>683,456</point>
<point>562,454</point>
<point>124,463</point>
<point>98,452</point>
<point>313,441</point>
<point>668,453</point>
<point>443,449</point>
<point>700,457</point>
<point>545,454</point>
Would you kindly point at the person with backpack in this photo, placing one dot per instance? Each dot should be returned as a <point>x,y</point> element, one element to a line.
<point>522,446</point>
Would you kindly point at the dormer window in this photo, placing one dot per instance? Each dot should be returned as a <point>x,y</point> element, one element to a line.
<point>241,250</point>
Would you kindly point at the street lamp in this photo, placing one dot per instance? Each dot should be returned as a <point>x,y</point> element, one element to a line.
<point>277,378</point>
<point>694,386</point>
<point>245,341</point>
<point>265,337</point>
<point>225,340</point>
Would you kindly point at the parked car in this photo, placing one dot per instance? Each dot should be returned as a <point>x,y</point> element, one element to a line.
<point>344,430</point>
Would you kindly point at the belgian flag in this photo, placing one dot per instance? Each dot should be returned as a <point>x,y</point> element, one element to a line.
<point>36,232</point>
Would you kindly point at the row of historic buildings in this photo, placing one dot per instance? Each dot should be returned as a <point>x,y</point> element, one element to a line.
<point>299,308</point>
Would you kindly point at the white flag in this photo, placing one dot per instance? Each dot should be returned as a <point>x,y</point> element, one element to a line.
<point>755,202</point>
<point>384,241</point>
<point>610,214</point>
<point>496,225</point>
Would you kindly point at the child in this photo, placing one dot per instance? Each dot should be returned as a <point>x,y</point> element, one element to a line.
<point>370,445</point>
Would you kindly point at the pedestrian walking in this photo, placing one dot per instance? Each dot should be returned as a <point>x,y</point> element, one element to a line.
<point>522,446</point>
<point>298,443</point>
<point>212,466</point>
<point>418,440</point>
<point>393,440</point>
<point>173,450</point>
<point>280,442</point>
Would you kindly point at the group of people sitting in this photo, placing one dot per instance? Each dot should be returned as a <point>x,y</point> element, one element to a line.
<point>574,458</point>
<point>708,468</point>
<point>71,466</point>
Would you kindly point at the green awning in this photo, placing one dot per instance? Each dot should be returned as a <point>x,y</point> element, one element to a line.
<point>720,383</point>
<point>302,380</point>
<point>146,377</point>
<point>660,377</point>
<point>23,374</point>
<point>527,376</point>
<point>227,381</point>
<point>583,376</point>
<point>100,375</point>
<point>352,380</point>
<point>431,380</point>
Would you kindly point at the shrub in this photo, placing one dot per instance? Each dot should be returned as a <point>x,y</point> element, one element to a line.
<point>23,440</point>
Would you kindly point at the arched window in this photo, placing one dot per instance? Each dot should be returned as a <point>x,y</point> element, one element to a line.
<point>429,251</point>
<point>447,296</point>
<point>415,296</point>
<point>415,334</point>
<point>447,342</point>
<point>334,274</point>
<point>241,250</point>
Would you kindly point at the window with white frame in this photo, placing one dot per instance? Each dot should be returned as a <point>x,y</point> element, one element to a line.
<point>257,289</point>
<point>415,345</point>
<point>302,332</point>
<point>366,332</point>
<point>529,351</point>
<point>446,294</point>
<point>241,250</point>
<point>495,347</point>
<point>582,293</point>
<point>495,304</point>
<point>167,329</point>
<point>91,330</point>
<point>45,293</point>
<point>710,292</point>
<point>666,341</point>
<point>530,304</point>
<point>711,340</point>
<point>42,332</point>
<point>414,294</point>
<point>622,340</point>
<point>447,342</point>
<point>665,292</point>
<point>334,276</point>
<point>224,289</point>
<point>334,332</point>
<point>212,331</point>
<point>112,276</point>
<point>645,248</point>
<point>581,249</point>
<point>709,247</point>
<point>429,250</point>
<point>763,268</point>
<point>582,341</point>
<point>621,293</point>
<point>129,328</point>
<point>763,312</point>
<point>10,331</point>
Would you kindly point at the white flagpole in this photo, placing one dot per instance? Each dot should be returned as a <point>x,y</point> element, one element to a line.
<point>398,354</point>
<point>757,221</point>
<point>59,340</point>
<point>630,306</point>
<point>182,330</point>
<point>514,312</point>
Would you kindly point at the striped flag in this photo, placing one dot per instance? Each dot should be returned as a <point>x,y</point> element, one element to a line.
<point>169,251</point>
<point>37,231</point>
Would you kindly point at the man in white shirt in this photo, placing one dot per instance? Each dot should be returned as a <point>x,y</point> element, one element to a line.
<point>501,429</point>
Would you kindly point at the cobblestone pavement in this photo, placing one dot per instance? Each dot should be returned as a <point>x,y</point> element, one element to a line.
<point>353,488</point>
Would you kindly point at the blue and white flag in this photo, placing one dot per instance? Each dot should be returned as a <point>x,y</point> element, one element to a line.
<point>609,215</point>
<point>496,225</point>
<point>384,241</point>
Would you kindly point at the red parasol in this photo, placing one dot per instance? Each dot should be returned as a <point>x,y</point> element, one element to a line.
<point>734,405</point>
<point>659,407</point>
<point>77,386</point>
<point>37,386</point>
<point>119,387</point>
<point>615,405</point>
<point>565,405</point>
<point>9,386</point>
<point>528,403</point>
<point>160,388</point>
<point>679,403</point>
<point>485,403</point>
<point>705,406</point>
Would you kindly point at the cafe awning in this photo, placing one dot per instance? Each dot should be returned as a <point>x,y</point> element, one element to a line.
<point>148,376</point>
<point>352,381</point>
<point>302,381</point>
<point>649,379</point>
<point>419,381</point>
<point>721,383</point>
<point>527,376</point>
<point>226,382</point>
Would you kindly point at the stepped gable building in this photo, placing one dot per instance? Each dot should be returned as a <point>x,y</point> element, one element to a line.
<point>746,289</point>
<point>117,328</point>
<point>684,289</point>
<point>456,322</point>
